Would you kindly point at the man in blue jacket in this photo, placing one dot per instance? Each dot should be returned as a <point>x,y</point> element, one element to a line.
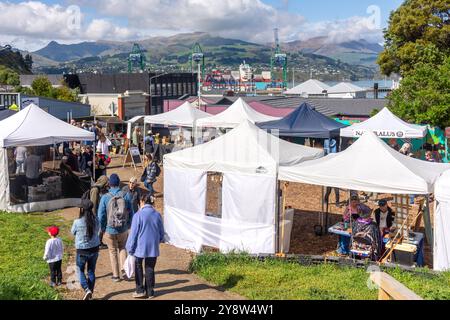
<point>115,215</point>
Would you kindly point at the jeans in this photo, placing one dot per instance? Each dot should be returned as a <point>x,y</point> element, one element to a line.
<point>145,283</point>
<point>149,186</point>
<point>20,166</point>
<point>55,271</point>
<point>117,253</point>
<point>343,245</point>
<point>89,259</point>
<point>327,194</point>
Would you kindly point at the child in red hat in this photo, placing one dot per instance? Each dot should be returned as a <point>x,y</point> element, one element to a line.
<point>53,255</point>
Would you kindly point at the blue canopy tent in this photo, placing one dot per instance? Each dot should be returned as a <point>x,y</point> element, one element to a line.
<point>305,122</point>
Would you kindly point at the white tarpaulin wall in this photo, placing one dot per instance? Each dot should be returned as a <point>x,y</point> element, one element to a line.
<point>248,158</point>
<point>385,125</point>
<point>234,115</point>
<point>247,226</point>
<point>368,165</point>
<point>31,127</point>
<point>442,224</point>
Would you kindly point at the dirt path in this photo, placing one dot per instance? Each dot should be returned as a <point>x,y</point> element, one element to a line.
<point>173,281</point>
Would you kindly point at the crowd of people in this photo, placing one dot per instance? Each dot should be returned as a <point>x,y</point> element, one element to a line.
<point>129,224</point>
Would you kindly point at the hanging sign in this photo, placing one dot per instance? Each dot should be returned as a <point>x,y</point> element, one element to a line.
<point>382,133</point>
<point>133,157</point>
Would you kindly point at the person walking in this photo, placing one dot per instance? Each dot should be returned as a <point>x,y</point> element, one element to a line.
<point>85,229</point>
<point>99,189</point>
<point>33,168</point>
<point>133,193</point>
<point>115,216</point>
<point>151,172</point>
<point>147,232</point>
<point>53,255</point>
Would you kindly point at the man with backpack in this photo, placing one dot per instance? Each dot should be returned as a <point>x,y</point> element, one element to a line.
<point>151,172</point>
<point>115,215</point>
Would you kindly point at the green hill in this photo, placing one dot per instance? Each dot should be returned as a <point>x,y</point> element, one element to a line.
<point>13,60</point>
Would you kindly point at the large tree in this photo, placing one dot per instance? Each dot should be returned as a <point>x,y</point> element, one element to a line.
<point>424,96</point>
<point>418,32</point>
<point>42,87</point>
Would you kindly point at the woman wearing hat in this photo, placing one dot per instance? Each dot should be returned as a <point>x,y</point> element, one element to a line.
<point>384,216</point>
<point>87,242</point>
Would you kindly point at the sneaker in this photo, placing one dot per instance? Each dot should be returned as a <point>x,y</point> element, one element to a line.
<point>88,295</point>
<point>103,246</point>
<point>59,284</point>
<point>115,279</point>
<point>52,284</point>
<point>152,295</point>
<point>139,295</point>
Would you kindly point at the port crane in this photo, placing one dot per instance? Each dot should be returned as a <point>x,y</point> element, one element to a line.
<point>136,59</point>
<point>279,60</point>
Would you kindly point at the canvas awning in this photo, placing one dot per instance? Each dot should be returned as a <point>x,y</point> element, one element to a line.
<point>34,127</point>
<point>368,165</point>
<point>234,115</point>
<point>246,149</point>
<point>385,125</point>
<point>183,116</point>
<point>305,122</point>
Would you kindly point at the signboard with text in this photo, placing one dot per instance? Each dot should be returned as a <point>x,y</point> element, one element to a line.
<point>384,134</point>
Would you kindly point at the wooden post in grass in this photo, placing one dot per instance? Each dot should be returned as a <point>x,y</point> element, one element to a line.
<point>391,289</point>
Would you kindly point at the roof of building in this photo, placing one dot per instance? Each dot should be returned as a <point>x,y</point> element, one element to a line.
<point>345,87</point>
<point>309,87</point>
<point>27,79</point>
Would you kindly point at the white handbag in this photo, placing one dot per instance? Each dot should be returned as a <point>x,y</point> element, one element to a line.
<point>128,266</point>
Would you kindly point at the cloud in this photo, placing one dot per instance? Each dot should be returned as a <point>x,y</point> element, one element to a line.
<point>31,24</point>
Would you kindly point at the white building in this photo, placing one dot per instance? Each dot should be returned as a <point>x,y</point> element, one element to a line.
<point>347,90</point>
<point>245,72</point>
<point>309,88</point>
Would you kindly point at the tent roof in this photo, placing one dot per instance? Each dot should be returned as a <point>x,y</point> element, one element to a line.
<point>305,122</point>
<point>310,87</point>
<point>368,165</point>
<point>442,187</point>
<point>34,127</point>
<point>234,115</point>
<point>245,149</point>
<point>345,87</point>
<point>183,116</point>
<point>6,113</point>
<point>386,125</point>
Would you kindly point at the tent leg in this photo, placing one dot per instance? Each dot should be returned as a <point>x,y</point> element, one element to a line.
<point>277,218</point>
<point>427,221</point>
<point>54,155</point>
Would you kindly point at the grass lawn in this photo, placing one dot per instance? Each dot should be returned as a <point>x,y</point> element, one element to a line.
<point>23,272</point>
<point>277,280</point>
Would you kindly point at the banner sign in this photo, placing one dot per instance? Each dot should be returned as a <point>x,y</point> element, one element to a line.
<point>382,134</point>
<point>447,132</point>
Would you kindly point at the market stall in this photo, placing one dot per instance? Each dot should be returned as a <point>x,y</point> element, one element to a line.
<point>243,163</point>
<point>305,122</point>
<point>442,223</point>
<point>371,165</point>
<point>234,115</point>
<point>39,132</point>
<point>385,125</point>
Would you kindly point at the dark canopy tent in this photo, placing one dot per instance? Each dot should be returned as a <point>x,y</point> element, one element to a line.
<point>305,122</point>
<point>6,113</point>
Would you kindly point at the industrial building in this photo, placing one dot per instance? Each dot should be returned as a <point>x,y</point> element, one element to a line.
<point>128,94</point>
<point>57,108</point>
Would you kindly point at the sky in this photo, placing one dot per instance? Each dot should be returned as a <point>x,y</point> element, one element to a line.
<point>30,25</point>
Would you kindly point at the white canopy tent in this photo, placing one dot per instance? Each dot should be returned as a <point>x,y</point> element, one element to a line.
<point>385,125</point>
<point>183,116</point>
<point>248,158</point>
<point>234,115</point>
<point>442,223</point>
<point>368,165</point>
<point>28,128</point>
<point>309,87</point>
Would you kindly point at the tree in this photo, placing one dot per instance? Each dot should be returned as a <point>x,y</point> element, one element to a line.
<point>8,77</point>
<point>28,62</point>
<point>42,87</point>
<point>424,96</point>
<point>418,32</point>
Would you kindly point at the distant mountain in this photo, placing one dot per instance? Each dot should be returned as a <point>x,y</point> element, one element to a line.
<point>353,52</point>
<point>173,54</point>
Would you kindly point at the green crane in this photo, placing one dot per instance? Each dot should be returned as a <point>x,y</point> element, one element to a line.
<point>136,59</point>
<point>278,61</point>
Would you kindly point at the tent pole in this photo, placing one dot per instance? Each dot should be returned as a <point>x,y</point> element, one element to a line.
<point>277,218</point>
<point>323,209</point>
<point>54,155</point>
<point>283,217</point>
<point>427,221</point>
